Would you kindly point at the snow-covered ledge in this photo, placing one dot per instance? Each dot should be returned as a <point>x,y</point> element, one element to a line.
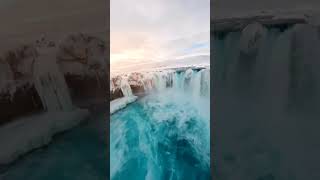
<point>28,133</point>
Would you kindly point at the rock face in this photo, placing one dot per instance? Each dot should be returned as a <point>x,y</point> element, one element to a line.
<point>137,84</point>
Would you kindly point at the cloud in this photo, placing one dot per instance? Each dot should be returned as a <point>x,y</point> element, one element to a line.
<point>225,8</point>
<point>157,30</point>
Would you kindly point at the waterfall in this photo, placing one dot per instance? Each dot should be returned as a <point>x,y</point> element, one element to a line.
<point>195,82</point>
<point>267,82</point>
<point>50,83</point>
<point>167,131</point>
<point>205,82</point>
<point>125,87</point>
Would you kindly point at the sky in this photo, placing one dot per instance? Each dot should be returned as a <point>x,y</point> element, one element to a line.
<point>145,31</point>
<point>223,8</point>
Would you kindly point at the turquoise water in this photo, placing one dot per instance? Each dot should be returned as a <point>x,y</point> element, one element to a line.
<point>162,136</point>
<point>79,154</point>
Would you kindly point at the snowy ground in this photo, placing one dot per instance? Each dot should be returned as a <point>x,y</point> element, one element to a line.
<point>28,133</point>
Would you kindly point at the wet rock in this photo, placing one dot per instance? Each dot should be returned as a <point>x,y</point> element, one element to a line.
<point>117,93</point>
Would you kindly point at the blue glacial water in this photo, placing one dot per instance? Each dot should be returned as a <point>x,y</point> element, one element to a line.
<point>162,136</point>
<point>78,154</point>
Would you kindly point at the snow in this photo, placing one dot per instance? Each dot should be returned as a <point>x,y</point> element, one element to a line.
<point>120,103</point>
<point>28,133</point>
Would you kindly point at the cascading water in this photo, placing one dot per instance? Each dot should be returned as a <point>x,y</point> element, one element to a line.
<point>50,83</point>
<point>125,87</point>
<point>267,90</point>
<point>166,134</point>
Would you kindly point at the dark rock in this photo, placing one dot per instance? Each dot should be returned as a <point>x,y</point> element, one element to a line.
<point>117,93</point>
<point>24,101</point>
